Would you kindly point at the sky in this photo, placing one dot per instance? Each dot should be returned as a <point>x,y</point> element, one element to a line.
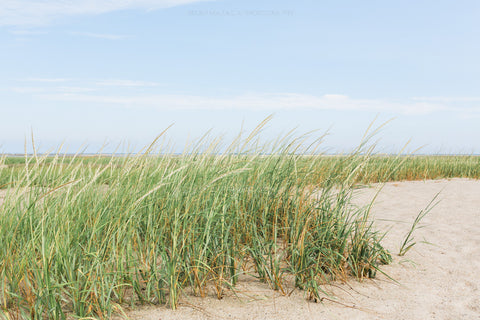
<point>87,73</point>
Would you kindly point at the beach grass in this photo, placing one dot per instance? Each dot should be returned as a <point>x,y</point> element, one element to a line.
<point>87,236</point>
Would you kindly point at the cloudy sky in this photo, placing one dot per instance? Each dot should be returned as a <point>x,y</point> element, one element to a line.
<point>89,72</point>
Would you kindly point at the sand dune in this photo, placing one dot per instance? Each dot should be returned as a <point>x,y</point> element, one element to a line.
<point>435,280</point>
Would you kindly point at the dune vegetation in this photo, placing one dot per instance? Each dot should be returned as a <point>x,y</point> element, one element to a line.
<point>86,236</point>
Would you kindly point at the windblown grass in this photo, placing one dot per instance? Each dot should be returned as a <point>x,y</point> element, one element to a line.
<point>84,237</point>
<point>409,240</point>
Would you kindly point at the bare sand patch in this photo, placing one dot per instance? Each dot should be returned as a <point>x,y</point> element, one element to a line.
<point>435,280</point>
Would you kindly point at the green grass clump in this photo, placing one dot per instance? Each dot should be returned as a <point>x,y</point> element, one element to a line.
<point>83,237</point>
<point>383,168</point>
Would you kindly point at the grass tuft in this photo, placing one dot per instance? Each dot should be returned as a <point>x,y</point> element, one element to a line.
<point>85,236</point>
<point>409,240</point>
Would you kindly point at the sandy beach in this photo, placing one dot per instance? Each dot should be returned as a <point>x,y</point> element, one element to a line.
<point>437,279</point>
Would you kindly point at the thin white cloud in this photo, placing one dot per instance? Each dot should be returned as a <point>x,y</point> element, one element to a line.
<point>68,85</point>
<point>126,83</point>
<point>448,99</point>
<point>467,107</point>
<point>49,90</point>
<point>256,101</point>
<point>73,89</point>
<point>27,89</point>
<point>100,35</point>
<point>43,12</point>
<point>126,93</point>
<point>26,32</point>
<point>48,80</point>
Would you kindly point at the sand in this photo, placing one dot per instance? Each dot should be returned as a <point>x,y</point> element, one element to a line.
<point>437,279</point>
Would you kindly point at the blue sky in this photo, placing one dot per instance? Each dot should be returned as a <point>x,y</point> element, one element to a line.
<point>86,72</point>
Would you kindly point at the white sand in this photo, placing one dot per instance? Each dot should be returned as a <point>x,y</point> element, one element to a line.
<point>440,280</point>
